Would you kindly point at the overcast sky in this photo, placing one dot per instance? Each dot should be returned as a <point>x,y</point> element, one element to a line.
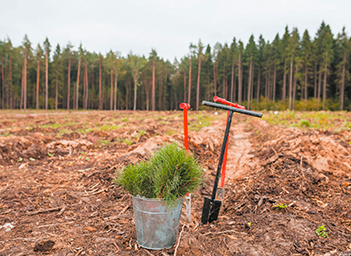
<point>168,26</point>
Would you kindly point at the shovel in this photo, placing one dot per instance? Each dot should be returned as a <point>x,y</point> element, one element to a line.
<point>220,193</point>
<point>211,205</point>
<point>185,107</point>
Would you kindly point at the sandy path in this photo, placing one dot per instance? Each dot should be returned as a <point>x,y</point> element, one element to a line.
<point>239,161</point>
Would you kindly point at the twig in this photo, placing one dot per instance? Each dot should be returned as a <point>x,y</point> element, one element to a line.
<point>117,247</point>
<point>55,224</point>
<point>8,211</point>
<point>62,210</point>
<point>149,253</point>
<point>46,210</point>
<point>98,192</point>
<point>124,209</point>
<point>180,235</point>
<point>223,232</point>
<point>79,252</point>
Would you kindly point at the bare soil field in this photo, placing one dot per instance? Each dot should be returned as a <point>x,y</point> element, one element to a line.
<point>284,184</point>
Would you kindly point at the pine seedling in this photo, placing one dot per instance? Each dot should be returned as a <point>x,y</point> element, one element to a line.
<point>170,174</point>
<point>175,173</point>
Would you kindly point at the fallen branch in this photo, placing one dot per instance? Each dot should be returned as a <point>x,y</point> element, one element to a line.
<point>180,235</point>
<point>46,210</point>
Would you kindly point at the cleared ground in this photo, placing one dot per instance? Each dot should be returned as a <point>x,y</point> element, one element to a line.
<point>289,174</point>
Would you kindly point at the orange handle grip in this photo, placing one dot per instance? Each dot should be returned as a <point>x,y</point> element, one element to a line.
<point>223,101</point>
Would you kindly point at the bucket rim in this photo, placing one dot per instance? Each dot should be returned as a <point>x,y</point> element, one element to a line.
<point>154,199</point>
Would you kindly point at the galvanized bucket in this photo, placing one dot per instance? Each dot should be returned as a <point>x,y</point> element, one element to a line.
<point>156,224</point>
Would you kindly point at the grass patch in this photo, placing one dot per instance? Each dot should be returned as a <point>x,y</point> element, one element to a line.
<point>335,121</point>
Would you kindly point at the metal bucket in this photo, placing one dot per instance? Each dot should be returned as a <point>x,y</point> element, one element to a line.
<point>156,224</point>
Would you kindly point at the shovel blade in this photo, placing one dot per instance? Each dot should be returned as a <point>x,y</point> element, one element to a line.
<point>210,210</point>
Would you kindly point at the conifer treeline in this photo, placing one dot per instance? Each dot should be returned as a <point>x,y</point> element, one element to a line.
<point>291,72</point>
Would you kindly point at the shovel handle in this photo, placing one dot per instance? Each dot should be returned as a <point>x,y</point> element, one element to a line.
<point>237,110</point>
<point>221,157</point>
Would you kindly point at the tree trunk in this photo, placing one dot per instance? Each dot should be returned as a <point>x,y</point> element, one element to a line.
<point>319,83</point>
<point>3,87</point>
<point>291,78</point>
<point>295,84</point>
<point>189,92</point>
<point>69,81</point>
<point>160,85</point>
<point>258,84</point>
<point>343,83</point>
<point>184,86</point>
<point>9,88</point>
<point>22,88</point>
<point>56,98</point>
<point>266,86</point>
<point>77,88</point>
<point>252,80</point>
<point>232,82</point>
<point>269,89</point>
<point>215,75</point>
<point>127,93</point>
<point>25,81</point>
<point>306,86</point>
<point>111,97</point>
<point>100,102</point>
<point>116,77</point>
<point>284,83</point>
<point>135,93</point>
<point>165,91</point>
<point>249,85</point>
<point>153,85</point>
<point>325,79</point>
<point>38,81</point>
<point>240,80</point>
<point>315,80</point>
<point>274,79</point>
<point>46,79</point>
<point>87,87</point>
<point>198,83</point>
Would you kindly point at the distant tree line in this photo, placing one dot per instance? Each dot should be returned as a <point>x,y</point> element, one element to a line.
<point>291,72</point>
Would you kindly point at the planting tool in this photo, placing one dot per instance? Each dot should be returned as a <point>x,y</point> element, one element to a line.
<point>185,107</point>
<point>220,193</point>
<point>212,206</point>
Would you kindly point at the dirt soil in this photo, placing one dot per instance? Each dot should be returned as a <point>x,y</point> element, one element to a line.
<point>57,195</point>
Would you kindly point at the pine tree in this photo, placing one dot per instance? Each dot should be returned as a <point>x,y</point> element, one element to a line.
<point>292,50</point>
<point>306,48</point>
<point>342,69</point>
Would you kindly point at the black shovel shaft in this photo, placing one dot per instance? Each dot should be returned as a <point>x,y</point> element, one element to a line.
<point>238,110</point>
<point>221,157</point>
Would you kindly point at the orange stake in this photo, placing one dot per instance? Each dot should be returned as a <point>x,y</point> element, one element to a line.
<point>225,158</point>
<point>185,107</point>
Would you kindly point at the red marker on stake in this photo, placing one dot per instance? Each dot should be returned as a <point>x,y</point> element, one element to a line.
<point>185,107</point>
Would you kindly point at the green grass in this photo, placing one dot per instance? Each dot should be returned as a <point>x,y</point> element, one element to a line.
<point>105,142</point>
<point>335,121</point>
<point>202,120</point>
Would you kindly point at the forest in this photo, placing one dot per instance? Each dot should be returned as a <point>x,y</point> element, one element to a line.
<point>294,71</point>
